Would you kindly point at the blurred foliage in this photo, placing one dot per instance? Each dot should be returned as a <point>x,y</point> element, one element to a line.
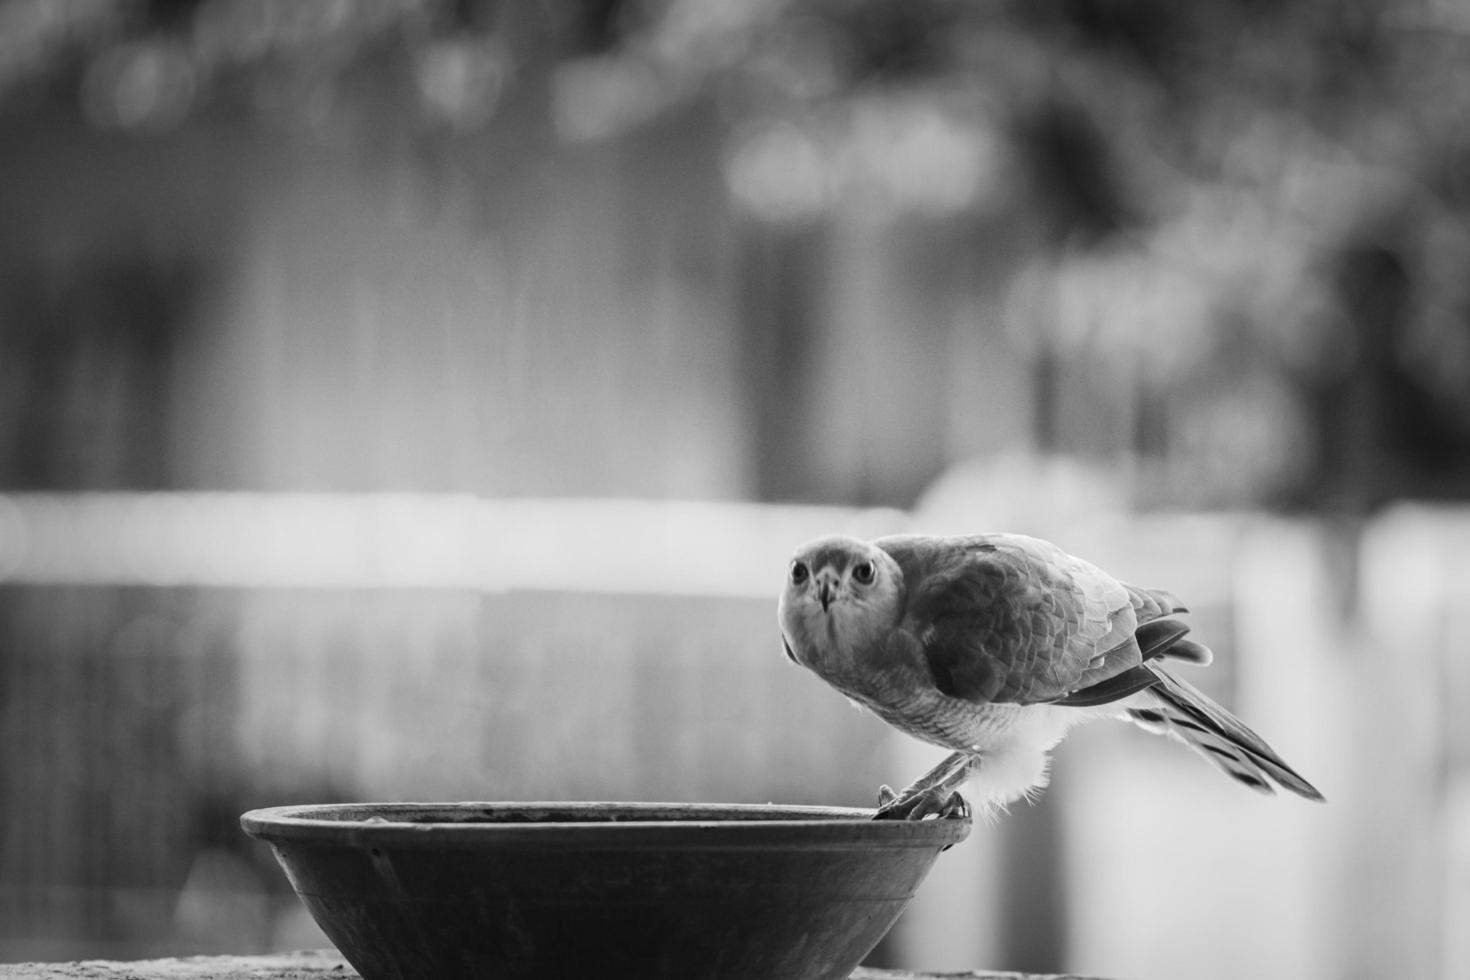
<point>1261,203</point>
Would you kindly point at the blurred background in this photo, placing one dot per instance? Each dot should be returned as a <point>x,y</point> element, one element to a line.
<point>420,398</point>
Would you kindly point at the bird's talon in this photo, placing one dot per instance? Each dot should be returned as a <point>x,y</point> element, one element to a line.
<point>922,805</point>
<point>893,807</point>
<point>955,808</point>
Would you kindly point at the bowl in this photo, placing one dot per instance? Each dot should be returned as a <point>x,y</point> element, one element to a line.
<point>425,891</point>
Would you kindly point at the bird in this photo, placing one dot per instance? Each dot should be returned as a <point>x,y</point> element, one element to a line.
<point>995,646</point>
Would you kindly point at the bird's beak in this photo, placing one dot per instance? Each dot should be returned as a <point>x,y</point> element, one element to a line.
<point>826,587</point>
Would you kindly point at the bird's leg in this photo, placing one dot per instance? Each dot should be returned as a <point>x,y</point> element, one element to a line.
<point>936,793</point>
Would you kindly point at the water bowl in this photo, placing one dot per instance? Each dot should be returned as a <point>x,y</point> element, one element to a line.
<point>425,891</point>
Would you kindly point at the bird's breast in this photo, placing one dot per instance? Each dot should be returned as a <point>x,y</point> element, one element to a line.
<point>951,723</point>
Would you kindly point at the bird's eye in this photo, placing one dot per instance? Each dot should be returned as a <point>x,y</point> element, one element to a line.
<point>863,572</point>
<point>799,572</point>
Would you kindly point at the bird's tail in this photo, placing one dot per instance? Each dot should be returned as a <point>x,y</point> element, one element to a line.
<point>1177,708</point>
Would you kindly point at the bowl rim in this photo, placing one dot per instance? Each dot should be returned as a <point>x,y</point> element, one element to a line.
<point>799,826</point>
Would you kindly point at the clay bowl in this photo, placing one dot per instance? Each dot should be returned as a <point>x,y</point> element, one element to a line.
<point>425,891</point>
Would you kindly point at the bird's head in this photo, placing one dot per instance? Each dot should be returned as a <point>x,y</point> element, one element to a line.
<point>841,594</point>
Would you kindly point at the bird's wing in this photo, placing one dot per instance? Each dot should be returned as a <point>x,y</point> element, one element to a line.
<point>1007,618</point>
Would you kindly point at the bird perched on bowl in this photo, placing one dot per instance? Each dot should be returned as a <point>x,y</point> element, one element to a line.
<point>994,646</point>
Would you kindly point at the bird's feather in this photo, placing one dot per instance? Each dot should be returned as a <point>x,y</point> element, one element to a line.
<point>1159,638</point>
<point>1004,618</point>
<point>1182,710</point>
<point>1156,637</point>
<point>1153,603</point>
<point>1115,688</point>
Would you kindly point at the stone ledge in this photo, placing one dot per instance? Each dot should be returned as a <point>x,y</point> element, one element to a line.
<point>311,965</point>
<point>327,964</point>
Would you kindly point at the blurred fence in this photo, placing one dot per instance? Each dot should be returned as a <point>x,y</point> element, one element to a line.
<point>140,713</point>
<point>168,661</point>
<point>1343,646</point>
